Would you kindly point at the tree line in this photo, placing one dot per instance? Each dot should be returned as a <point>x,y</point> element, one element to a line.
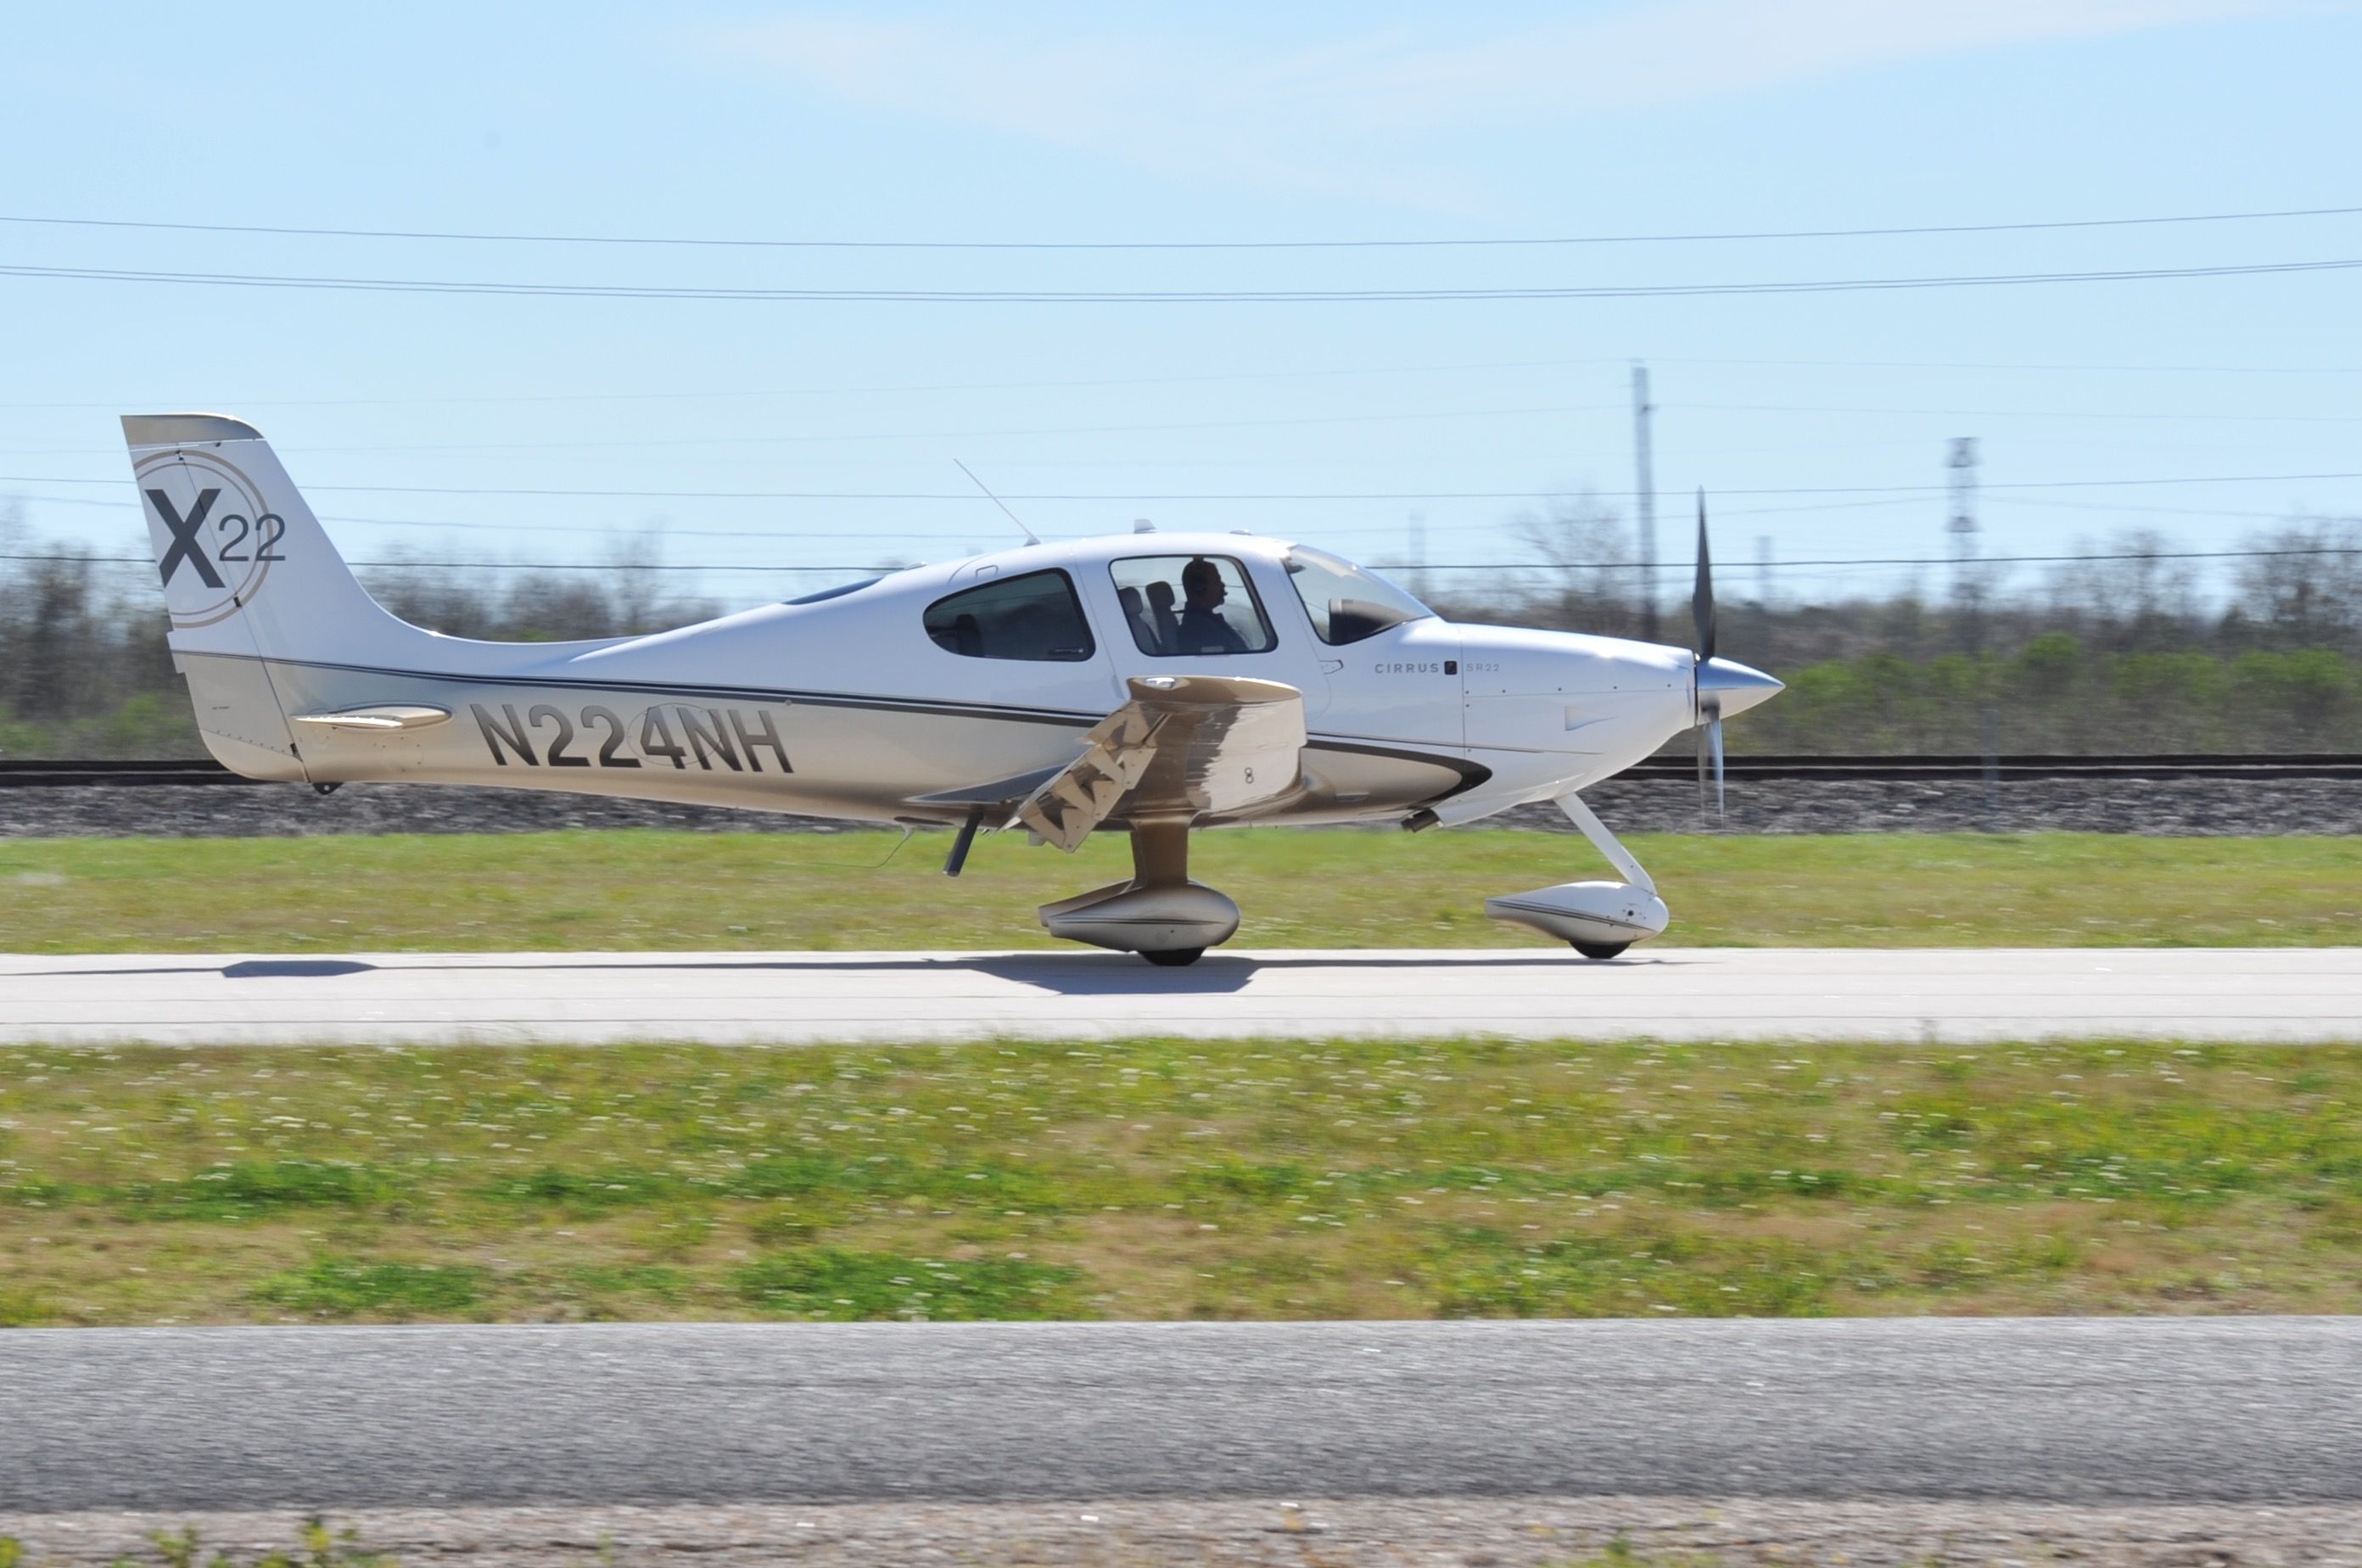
<point>2125,652</point>
<point>2120,650</point>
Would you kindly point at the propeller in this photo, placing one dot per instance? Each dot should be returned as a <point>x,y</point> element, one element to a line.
<point>1709,702</point>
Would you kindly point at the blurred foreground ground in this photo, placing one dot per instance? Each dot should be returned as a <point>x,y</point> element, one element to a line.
<point>1262,1179</point>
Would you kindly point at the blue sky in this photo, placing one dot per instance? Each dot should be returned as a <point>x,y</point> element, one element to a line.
<point>1211,123</point>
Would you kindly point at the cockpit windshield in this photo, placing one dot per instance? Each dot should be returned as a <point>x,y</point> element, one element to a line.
<point>1347,603</point>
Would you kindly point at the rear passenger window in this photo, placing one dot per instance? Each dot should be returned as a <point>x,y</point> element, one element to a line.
<point>1034,616</point>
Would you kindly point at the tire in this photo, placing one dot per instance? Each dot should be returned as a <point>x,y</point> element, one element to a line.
<point>1599,949</point>
<point>1175,957</point>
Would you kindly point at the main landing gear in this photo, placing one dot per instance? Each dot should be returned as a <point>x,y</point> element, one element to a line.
<point>1598,920</point>
<point>1160,913</point>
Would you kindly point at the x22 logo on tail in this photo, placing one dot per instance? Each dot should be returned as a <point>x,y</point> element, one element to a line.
<point>235,537</point>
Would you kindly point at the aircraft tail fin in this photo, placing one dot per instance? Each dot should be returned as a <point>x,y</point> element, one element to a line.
<point>247,568</point>
<point>249,578</point>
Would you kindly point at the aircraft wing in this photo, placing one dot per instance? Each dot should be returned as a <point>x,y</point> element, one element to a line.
<point>1185,745</point>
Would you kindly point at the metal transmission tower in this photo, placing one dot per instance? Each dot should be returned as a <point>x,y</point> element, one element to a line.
<point>1968,609</point>
<point>1967,592</point>
<point>1645,491</point>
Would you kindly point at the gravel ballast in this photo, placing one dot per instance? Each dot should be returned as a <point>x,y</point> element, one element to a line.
<point>2165,807</point>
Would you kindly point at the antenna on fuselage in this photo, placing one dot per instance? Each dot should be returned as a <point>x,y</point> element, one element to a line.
<point>1030,536</point>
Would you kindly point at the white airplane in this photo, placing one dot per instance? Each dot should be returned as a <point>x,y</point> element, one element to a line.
<point>1147,683</point>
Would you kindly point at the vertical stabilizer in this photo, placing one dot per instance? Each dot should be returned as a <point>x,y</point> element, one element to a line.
<point>247,568</point>
<point>249,578</point>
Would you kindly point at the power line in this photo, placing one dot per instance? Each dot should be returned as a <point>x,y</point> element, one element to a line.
<point>402,562</point>
<point>1905,561</point>
<point>1132,496</point>
<point>668,531</point>
<point>2145,509</point>
<point>117,403</point>
<point>1414,243</point>
<point>756,393</point>
<point>576,529</point>
<point>1523,410</point>
<point>2014,365</point>
<point>2311,550</point>
<point>1173,296</point>
<point>670,442</point>
<point>2032,414</point>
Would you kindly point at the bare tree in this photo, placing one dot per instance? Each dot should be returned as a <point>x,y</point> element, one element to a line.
<point>2307,590</point>
<point>1589,560</point>
<point>630,599</point>
<point>2139,595</point>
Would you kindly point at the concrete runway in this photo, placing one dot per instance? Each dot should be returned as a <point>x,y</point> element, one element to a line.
<point>1963,995</point>
<point>2072,1411</point>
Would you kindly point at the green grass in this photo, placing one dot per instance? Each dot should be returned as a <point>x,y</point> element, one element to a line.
<point>682,890</point>
<point>1175,1179</point>
<point>347,1287</point>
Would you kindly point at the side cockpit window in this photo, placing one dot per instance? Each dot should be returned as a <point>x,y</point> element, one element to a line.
<point>1186,606</point>
<point>1034,616</point>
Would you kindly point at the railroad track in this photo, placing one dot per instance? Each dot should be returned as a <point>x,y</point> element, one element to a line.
<point>195,772</point>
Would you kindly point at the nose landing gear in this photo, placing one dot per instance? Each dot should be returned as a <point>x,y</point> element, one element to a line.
<point>1598,920</point>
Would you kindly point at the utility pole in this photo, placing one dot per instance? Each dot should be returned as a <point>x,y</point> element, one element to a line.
<point>1763,571</point>
<point>1418,583</point>
<point>1968,609</point>
<point>1645,490</point>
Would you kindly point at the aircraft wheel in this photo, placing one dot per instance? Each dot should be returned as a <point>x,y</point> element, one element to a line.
<point>1599,949</point>
<point>1175,957</point>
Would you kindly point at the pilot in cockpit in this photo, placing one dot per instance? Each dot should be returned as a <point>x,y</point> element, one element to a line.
<point>1204,629</point>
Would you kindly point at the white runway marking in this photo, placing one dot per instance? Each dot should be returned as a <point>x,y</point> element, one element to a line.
<point>1959,995</point>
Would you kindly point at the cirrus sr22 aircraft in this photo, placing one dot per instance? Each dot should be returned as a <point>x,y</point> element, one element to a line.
<point>1150,683</point>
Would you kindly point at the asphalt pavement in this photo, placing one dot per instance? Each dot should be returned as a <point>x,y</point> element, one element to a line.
<point>2069,1410</point>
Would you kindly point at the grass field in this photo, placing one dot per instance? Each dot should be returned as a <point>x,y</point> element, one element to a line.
<point>1157,1178</point>
<point>684,890</point>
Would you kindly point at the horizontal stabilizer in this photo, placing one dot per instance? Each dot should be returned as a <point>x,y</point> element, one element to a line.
<point>386,716</point>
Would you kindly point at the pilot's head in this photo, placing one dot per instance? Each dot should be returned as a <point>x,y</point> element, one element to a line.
<point>1201,579</point>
